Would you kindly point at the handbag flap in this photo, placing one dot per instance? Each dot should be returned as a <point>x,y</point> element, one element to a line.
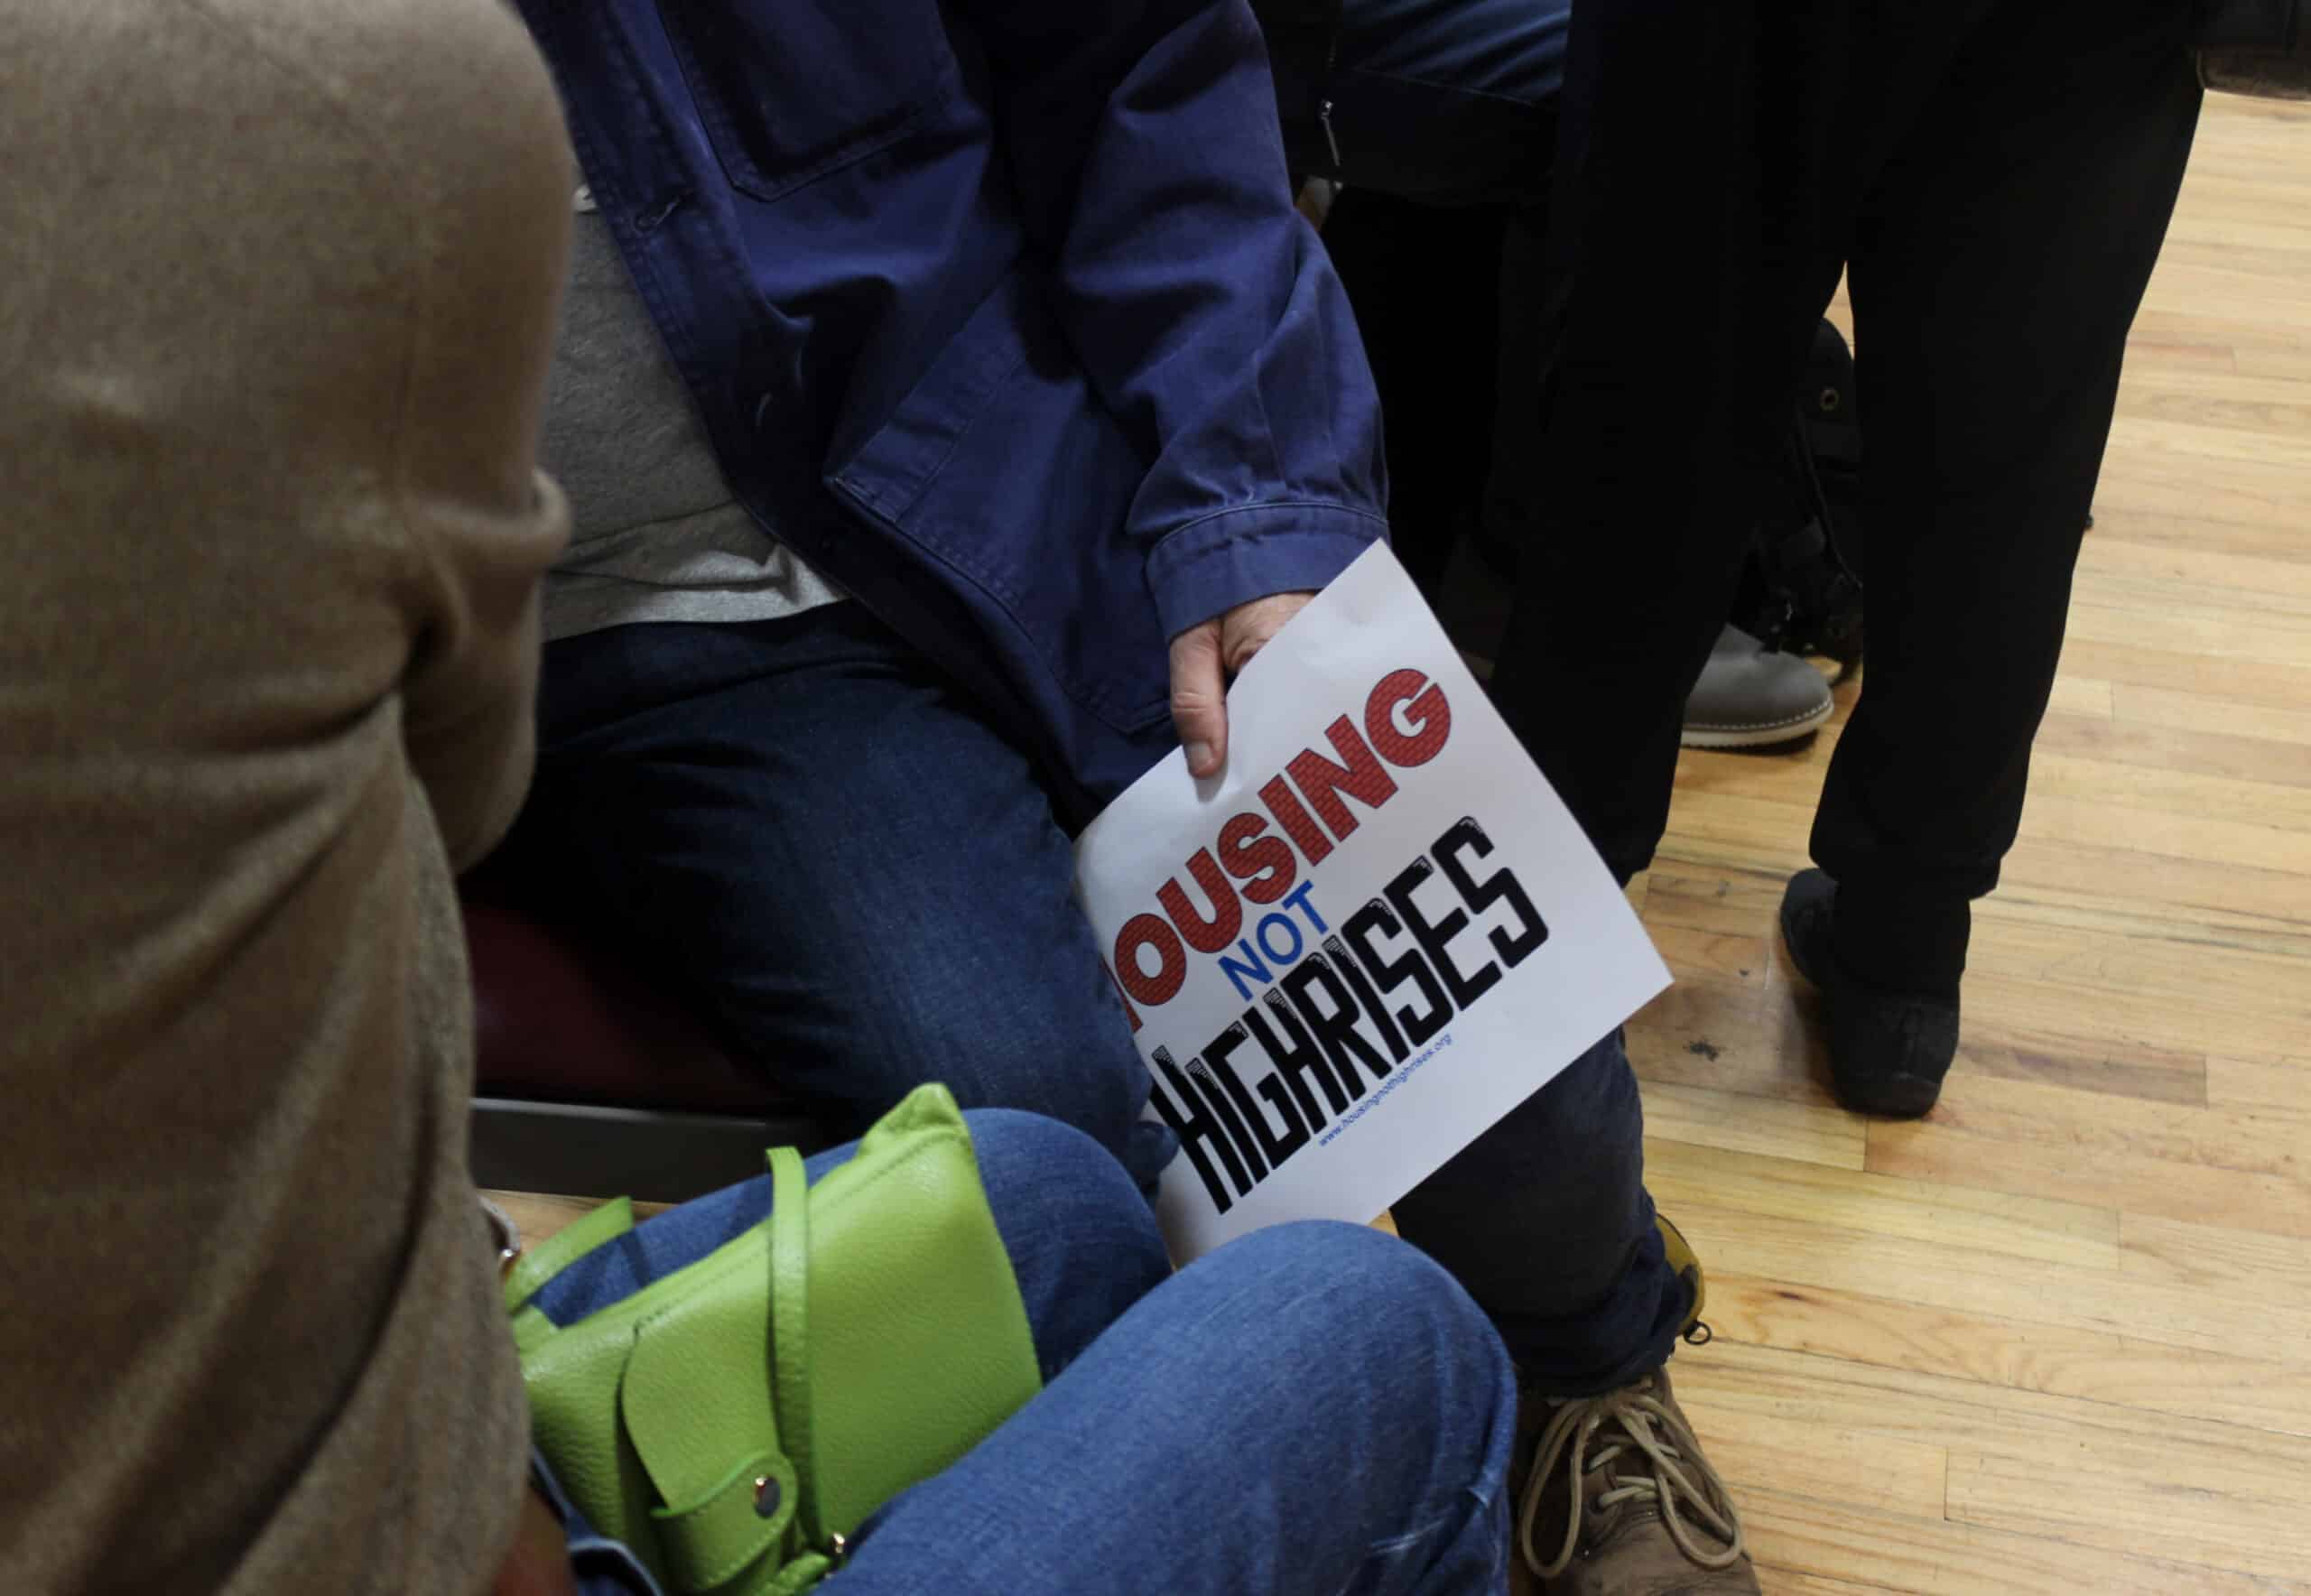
<point>697,1404</point>
<point>572,1376</point>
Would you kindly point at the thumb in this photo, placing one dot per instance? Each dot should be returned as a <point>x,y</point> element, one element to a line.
<point>1198,697</point>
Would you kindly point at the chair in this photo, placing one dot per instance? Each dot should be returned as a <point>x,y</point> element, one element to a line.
<point>589,1084</point>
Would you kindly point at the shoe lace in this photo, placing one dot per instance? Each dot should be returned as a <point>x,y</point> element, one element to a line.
<point>1650,1456</point>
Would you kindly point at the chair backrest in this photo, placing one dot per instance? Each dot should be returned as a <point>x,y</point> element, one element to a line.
<point>588,1083</point>
<point>557,1018</point>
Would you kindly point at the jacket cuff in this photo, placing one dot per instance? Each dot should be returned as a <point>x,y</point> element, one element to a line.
<point>1232,557</point>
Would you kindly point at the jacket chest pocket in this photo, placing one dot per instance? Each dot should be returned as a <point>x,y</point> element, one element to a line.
<point>789,90</point>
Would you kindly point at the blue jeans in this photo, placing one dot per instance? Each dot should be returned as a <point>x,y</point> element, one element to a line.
<point>800,825</point>
<point>1314,1408</point>
<point>803,828</point>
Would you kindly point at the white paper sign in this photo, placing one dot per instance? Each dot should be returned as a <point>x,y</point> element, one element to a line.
<point>1374,933</point>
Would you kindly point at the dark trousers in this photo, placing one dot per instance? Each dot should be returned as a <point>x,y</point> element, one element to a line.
<point>1449,108</point>
<point>1998,176</point>
<point>1441,117</point>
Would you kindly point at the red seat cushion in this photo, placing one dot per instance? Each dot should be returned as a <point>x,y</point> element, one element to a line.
<point>558,1019</point>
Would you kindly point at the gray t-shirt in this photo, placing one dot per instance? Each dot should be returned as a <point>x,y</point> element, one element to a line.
<point>656,535</point>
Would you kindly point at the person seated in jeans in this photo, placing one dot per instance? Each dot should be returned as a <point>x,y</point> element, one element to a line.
<point>948,400</point>
<point>277,287</point>
<point>949,396</point>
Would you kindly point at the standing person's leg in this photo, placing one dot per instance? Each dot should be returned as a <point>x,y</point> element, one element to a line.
<point>1313,1408</point>
<point>1698,247</point>
<point>1546,1216</point>
<point>1425,283</point>
<point>1998,267</point>
<point>1697,231</point>
<point>1440,116</point>
<point>801,827</point>
<point>1697,267</point>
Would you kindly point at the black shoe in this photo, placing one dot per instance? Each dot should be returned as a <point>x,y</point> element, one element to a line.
<point>1888,1051</point>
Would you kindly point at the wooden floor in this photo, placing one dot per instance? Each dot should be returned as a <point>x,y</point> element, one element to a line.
<point>2057,1337</point>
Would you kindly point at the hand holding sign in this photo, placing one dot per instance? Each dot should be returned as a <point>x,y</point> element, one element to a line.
<point>1374,933</point>
<point>1205,657</point>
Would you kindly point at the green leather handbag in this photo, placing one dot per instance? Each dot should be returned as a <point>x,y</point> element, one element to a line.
<point>734,1422</point>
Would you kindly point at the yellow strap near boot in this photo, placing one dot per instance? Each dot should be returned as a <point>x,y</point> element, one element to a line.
<point>1686,1264</point>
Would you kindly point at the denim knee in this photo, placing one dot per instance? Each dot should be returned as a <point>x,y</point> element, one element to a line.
<point>1411,1296</point>
<point>1057,1048</point>
<point>1083,1242</point>
<point>1391,1334</point>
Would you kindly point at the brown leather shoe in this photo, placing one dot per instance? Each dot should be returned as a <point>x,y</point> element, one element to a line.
<point>1618,1501</point>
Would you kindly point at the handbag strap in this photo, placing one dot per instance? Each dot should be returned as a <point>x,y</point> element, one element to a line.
<point>790,1330</point>
<point>565,1246</point>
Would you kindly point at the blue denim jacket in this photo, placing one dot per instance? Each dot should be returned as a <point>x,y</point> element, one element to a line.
<point>998,313</point>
